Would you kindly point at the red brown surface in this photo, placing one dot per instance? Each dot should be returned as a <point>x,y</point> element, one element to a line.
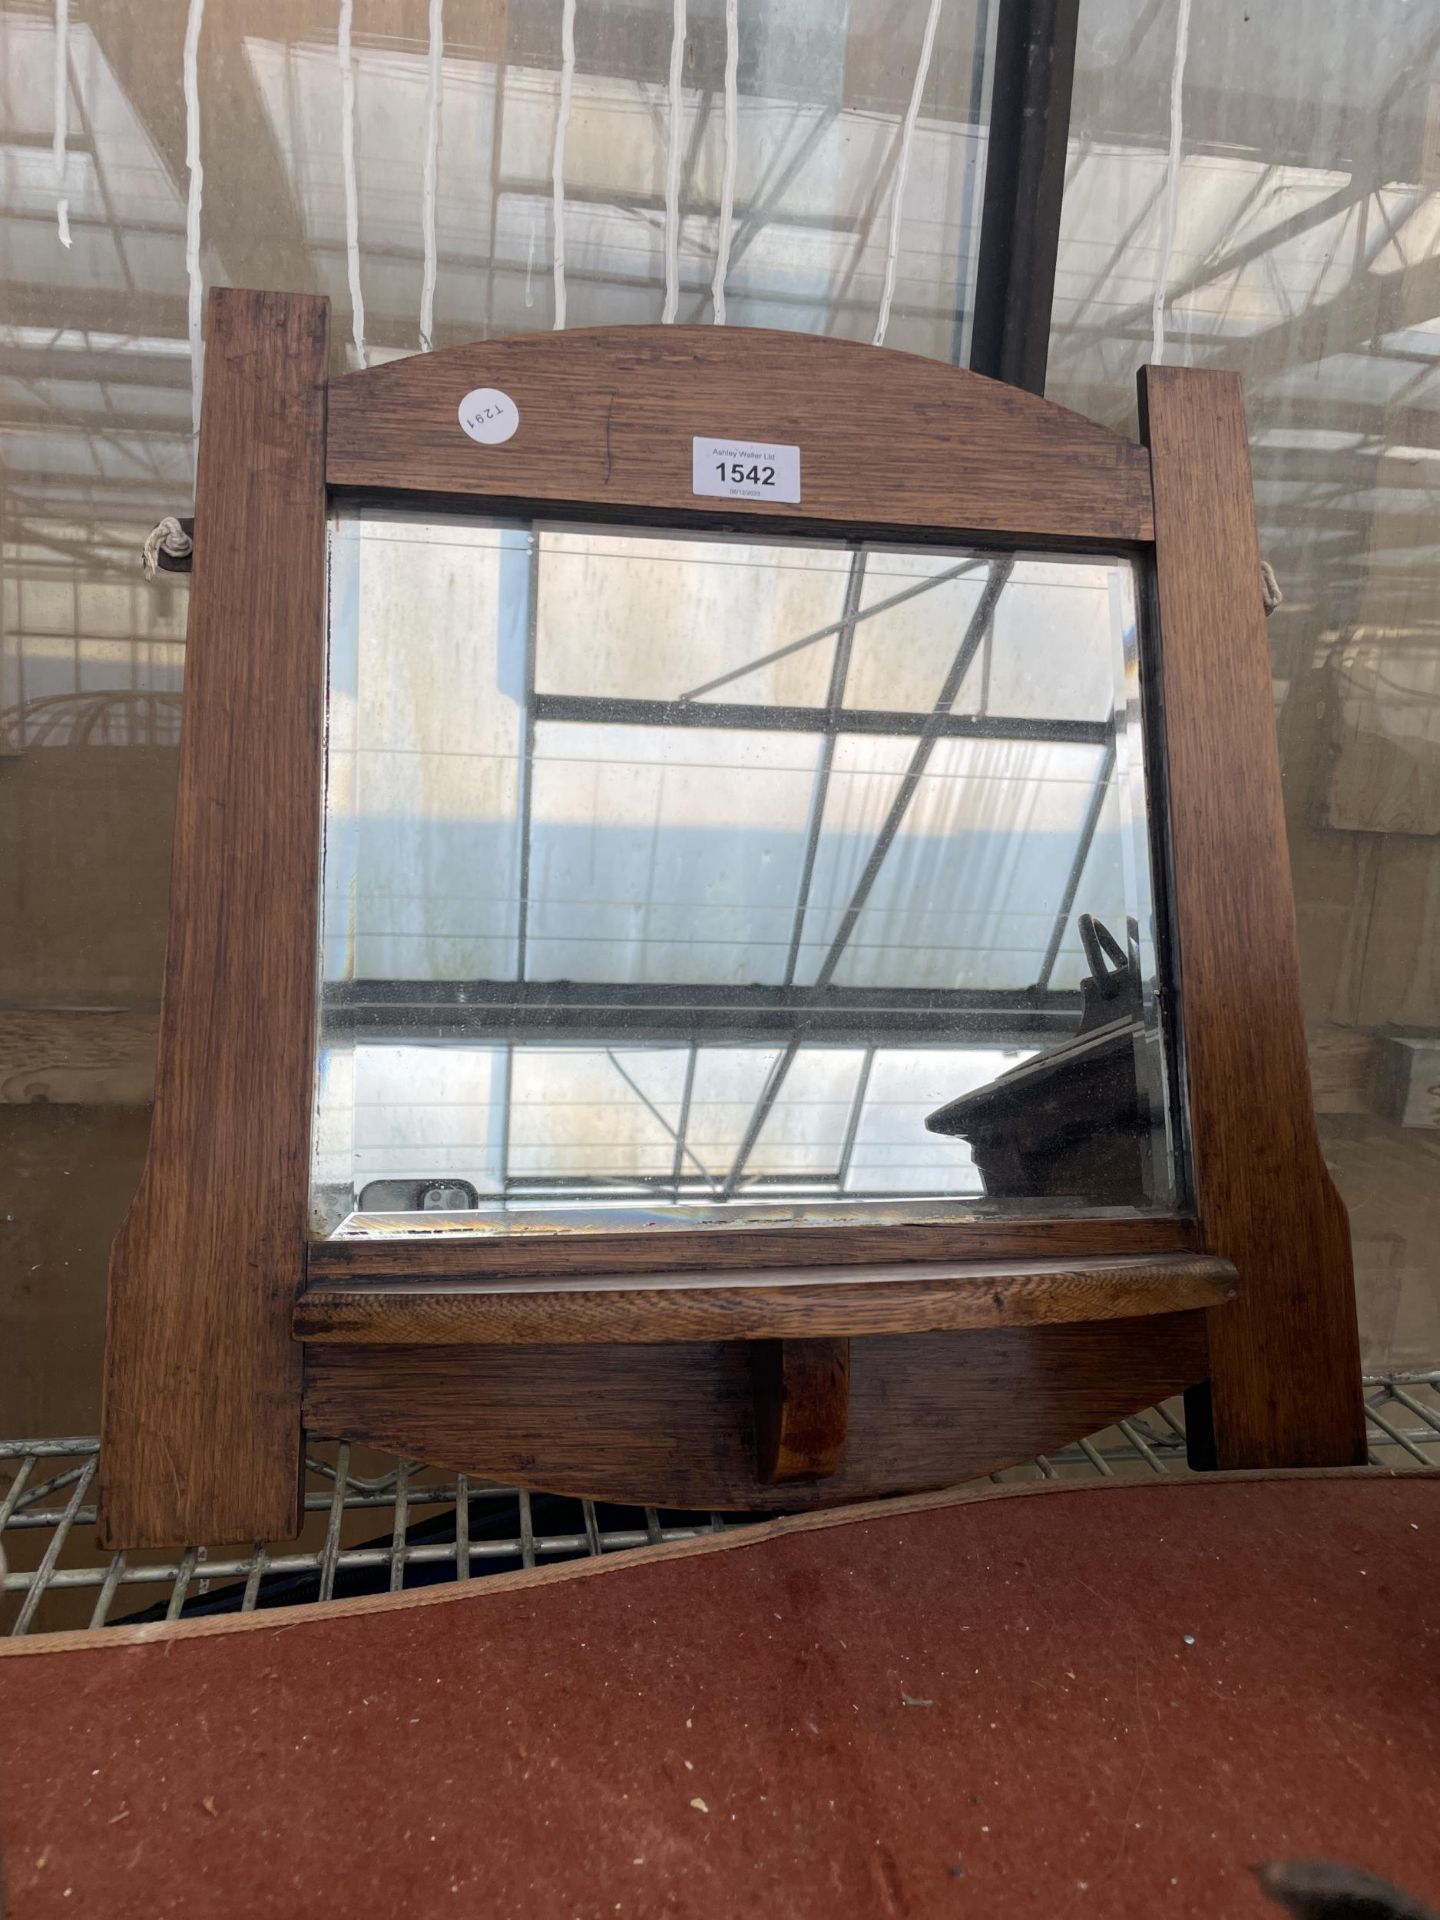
<point>1104,1700</point>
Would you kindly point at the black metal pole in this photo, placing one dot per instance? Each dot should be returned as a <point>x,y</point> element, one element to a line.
<point>1034,70</point>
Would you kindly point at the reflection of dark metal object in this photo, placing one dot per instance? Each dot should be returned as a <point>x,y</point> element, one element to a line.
<point>418,1196</point>
<point>1320,1890</point>
<point>1109,993</point>
<point>1076,1121</point>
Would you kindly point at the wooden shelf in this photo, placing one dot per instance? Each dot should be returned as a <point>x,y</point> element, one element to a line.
<point>781,1304</point>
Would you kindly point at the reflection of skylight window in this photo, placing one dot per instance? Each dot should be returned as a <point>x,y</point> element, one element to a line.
<point>605,821</point>
<point>585,1121</point>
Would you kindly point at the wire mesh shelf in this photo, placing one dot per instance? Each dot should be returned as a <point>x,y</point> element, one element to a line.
<point>375,1524</point>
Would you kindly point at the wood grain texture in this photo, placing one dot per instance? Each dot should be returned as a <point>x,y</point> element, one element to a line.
<point>780,1304</point>
<point>201,1418</point>
<point>557,1250</point>
<point>1285,1363</point>
<point>673,1426</point>
<point>802,1408</point>
<point>607,415</point>
<point>65,1056</point>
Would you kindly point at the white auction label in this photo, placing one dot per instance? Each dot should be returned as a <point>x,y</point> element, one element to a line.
<point>745,470</point>
<point>489,416</point>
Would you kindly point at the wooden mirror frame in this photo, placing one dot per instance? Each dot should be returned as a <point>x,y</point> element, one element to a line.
<point>730,1366</point>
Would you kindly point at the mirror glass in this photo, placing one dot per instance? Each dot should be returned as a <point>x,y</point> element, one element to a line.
<point>678,879</point>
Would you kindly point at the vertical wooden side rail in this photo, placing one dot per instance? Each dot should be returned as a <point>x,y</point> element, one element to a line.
<point>1285,1364</point>
<point>201,1419</point>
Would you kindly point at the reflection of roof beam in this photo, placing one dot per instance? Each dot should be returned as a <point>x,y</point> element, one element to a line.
<point>253,224</point>
<point>50,360</point>
<point>108,549</point>
<point>919,759</point>
<point>834,705</point>
<point>682,1125</point>
<point>1074,339</point>
<point>1364,180</point>
<point>822,222</point>
<point>1210,271</point>
<point>1103,776</point>
<point>152,315</point>
<point>587,709</point>
<point>43,416</point>
<point>607,1012</point>
<point>1230,120</point>
<point>1375,304</point>
<point>1139,33</point>
<point>1349,413</point>
<point>675,1133</point>
<point>1308,518</point>
<point>1343,471</point>
<point>852,1123</point>
<point>774,1080</point>
<point>772,187</point>
<point>1319,412</point>
<point>162,315</point>
<point>846,621</point>
<point>880,188</point>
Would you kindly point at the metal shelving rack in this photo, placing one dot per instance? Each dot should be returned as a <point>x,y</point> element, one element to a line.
<point>430,1526</point>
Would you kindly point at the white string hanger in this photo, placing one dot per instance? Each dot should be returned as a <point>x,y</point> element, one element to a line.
<point>62,117</point>
<point>430,184</point>
<point>726,229</point>
<point>352,185</point>
<point>902,170</point>
<point>194,201</point>
<point>557,158</point>
<point>674,127</point>
<point>1172,185</point>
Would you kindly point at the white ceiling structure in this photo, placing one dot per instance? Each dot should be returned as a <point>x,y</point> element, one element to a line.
<point>1308,202</point>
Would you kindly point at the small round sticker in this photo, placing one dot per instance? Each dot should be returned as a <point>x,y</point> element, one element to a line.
<point>489,416</point>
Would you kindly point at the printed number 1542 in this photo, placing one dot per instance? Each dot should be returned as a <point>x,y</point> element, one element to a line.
<point>737,474</point>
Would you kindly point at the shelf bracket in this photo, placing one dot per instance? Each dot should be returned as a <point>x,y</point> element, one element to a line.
<point>802,1408</point>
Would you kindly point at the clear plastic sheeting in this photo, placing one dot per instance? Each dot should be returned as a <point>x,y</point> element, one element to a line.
<point>1307,188</point>
<point>820,97</point>
<point>691,874</point>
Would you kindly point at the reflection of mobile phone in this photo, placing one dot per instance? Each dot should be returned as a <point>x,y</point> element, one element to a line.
<point>418,1196</point>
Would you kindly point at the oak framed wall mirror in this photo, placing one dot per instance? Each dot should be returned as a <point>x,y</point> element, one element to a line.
<point>730,941</point>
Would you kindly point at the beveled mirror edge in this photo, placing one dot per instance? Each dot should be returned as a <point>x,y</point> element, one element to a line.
<point>1031,1010</point>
